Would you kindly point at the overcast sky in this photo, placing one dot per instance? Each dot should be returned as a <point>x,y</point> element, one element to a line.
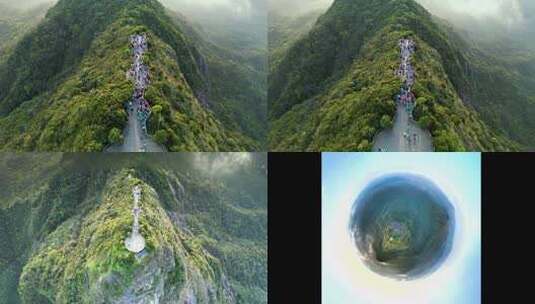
<point>482,19</point>
<point>236,8</point>
<point>511,13</point>
<point>514,14</point>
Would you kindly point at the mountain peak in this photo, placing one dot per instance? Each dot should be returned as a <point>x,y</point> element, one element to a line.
<point>76,61</point>
<point>71,229</point>
<point>340,34</point>
<point>336,85</point>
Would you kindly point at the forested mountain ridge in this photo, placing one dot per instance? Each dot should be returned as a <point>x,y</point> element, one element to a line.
<point>64,86</point>
<point>334,88</point>
<point>63,240</point>
<point>501,82</point>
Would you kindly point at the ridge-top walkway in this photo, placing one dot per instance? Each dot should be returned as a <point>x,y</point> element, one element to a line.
<point>405,135</point>
<point>135,242</point>
<point>135,134</point>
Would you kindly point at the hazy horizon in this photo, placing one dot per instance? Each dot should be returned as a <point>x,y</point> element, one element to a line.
<point>512,14</point>
<point>491,18</point>
<point>506,11</point>
<point>244,21</point>
<point>230,8</point>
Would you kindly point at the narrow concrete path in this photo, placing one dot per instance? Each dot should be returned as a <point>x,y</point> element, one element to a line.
<point>135,134</point>
<point>405,135</point>
<point>396,139</point>
<point>135,242</point>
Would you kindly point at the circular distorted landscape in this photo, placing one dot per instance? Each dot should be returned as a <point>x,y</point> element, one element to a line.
<point>402,226</point>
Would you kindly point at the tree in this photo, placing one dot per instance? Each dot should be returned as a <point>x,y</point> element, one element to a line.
<point>364,146</point>
<point>157,112</point>
<point>115,136</point>
<point>386,122</point>
<point>446,141</point>
<point>420,101</point>
<point>161,137</point>
<point>426,122</point>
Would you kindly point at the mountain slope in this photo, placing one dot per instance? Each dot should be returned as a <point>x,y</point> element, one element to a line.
<point>63,241</point>
<point>334,88</point>
<point>284,31</point>
<point>64,87</point>
<point>15,23</point>
<point>235,71</point>
<point>501,82</point>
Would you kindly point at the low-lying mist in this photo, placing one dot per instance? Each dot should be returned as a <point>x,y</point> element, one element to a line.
<point>235,23</point>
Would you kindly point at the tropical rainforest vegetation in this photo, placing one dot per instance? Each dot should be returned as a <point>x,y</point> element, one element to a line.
<point>333,88</point>
<point>63,85</point>
<point>64,218</point>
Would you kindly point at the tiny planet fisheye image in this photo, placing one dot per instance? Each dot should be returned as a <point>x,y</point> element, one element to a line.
<point>401,228</point>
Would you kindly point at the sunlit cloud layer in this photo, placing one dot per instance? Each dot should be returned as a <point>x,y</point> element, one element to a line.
<point>506,12</point>
<point>221,163</point>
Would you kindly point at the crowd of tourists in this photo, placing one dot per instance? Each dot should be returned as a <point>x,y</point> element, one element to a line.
<point>406,97</point>
<point>140,74</point>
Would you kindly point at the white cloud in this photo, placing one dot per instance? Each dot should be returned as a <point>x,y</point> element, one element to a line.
<point>507,12</point>
<point>221,163</point>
